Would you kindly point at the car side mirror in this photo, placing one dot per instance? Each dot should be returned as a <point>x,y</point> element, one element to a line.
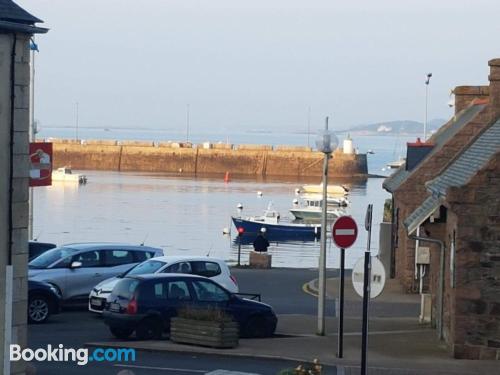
<point>75,264</point>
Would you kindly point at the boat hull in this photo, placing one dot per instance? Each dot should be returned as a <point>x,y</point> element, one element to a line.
<point>278,230</point>
<point>301,214</point>
<point>318,189</point>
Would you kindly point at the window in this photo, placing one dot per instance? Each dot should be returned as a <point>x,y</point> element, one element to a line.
<point>207,291</point>
<point>125,288</point>
<point>178,290</point>
<point>89,258</point>
<point>151,266</point>
<point>182,267</point>
<point>51,256</point>
<point>207,269</point>
<point>141,256</point>
<point>118,257</point>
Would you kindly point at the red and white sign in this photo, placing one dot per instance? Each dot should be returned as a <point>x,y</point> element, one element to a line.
<point>41,164</point>
<point>344,232</point>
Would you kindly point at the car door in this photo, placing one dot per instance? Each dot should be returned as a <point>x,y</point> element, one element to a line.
<point>80,280</point>
<point>165,297</point>
<point>209,294</point>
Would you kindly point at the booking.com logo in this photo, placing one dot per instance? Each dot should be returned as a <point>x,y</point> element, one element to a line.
<point>81,356</point>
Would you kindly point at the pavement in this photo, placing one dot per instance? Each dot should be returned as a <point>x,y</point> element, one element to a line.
<point>398,344</point>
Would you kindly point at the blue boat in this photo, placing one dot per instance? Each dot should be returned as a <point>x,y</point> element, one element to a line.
<point>276,228</point>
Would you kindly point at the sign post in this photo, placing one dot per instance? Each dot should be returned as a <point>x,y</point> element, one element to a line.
<point>366,289</point>
<point>241,230</point>
<point>344,233</point>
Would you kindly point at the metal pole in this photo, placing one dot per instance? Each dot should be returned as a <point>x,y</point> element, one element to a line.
<point>341,307</point>
<point>322,251</point>
<point>366,289</point>
<point>76,121</point>
<point>426,104</point>
<point>239,249</point>
<point>308,125</point>
<point>187,123</point>
<point>31,137</point>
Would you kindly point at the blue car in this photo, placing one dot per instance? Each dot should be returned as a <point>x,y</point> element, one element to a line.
<point>144,304</point>
<point>43,301</point>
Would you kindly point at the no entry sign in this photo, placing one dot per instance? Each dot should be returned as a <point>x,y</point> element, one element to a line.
<point>344,232</point>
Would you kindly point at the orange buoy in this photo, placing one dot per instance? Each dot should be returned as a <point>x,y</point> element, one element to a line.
<point>226,177</point>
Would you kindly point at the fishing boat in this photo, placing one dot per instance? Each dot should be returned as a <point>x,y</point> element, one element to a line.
<point>396,164</point>
<point>65,174</point>
<point>310,208</point>
<point>330,189</point>
<point>275,227</point>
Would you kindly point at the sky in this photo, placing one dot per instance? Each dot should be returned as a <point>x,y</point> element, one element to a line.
<point>256,65</point>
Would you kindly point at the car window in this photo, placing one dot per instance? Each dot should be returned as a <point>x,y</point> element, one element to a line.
<point>181,267</point>
<point>207,269</point>
<point>118,257</point>
<point>125,288</point>
<point>89,258</point>
<point>178,290</point>
<point>141,256</point>
<point>51,256</point>
<point>207,291</point>
<point>63,263</point>
<point>150,266</point>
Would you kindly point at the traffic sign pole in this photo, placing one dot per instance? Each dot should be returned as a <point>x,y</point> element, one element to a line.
<point>344,234</point>
<point>340,344</point>
<point>366,289</point>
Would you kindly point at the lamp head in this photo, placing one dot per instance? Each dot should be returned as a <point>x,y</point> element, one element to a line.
<point>326,141</point>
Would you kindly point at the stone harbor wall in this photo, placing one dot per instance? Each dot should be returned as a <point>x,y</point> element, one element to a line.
<point>165,157</point>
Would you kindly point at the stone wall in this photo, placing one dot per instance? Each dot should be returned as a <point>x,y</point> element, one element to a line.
<point>20,182</point>
<point>249,160</point>
<point>413,192</point>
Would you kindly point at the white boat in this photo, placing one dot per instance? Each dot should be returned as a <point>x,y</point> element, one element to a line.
<point>64,174</point>
<point>311,208</point>
<point>396,164</point>
<point>330,189</point>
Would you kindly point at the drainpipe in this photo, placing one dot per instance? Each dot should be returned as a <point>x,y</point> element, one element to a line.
<point>441,280</point>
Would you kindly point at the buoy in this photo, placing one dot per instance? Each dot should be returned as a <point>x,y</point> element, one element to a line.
<point>295,202</point>
<point>239,206</point>
<point>180,170</point>
<point>226,177</point>
<point>225,230</point>
<point>297,191</point>
<point>259,193</point>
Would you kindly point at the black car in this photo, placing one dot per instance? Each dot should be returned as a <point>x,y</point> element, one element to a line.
<point>43,301</point>
<point>145,304</point>
<point>37,248</point>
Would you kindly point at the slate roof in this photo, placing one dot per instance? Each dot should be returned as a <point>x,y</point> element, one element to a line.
<point>438,139</point>
<point>11,12</point>
<point>457,173</point>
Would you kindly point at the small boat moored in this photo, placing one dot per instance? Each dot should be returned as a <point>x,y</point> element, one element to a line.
<point>330,189</point>
<point>64,174</point>
<point>271,221</point>
<point>309,208</point>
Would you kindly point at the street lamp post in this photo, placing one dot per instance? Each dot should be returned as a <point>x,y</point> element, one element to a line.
<point>427,81</point>
<point>326,143</point>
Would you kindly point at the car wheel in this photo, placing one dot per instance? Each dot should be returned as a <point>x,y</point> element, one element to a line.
<point>121,333</point>
<point>149,329</point>
<point>256,327</point>
<point>38,309</point>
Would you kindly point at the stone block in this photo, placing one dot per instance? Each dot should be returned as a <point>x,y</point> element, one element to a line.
<point>20,241</point>
<point>20,213</point>
<point>494,343</point>
<point>487,354</point>
<point>21,166</point>
<point>22,49</point>
<point>19,312</point>
<point>260,260</point>
<point>21,142</point>
<point>20,288</point>
<point>23,74</point>
<point>20,264</point>
<point>21,120</point>
<point>20,189</point>
<point>21,97</point>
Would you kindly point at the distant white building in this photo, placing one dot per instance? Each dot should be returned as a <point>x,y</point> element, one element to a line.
<point>384,129</point>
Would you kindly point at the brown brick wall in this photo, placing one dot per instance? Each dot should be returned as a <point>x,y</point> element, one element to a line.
<point>413,192</point>
<point>464,95</point>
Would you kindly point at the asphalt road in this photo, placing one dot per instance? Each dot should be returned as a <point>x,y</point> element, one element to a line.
<point>281,288</point>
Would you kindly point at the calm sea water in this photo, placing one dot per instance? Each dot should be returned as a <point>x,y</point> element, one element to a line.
<point>185,215</point>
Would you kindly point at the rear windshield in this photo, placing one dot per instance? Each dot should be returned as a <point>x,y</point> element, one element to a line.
<point>125,288</point>
<point>149,266</point>
<point>51,256</point>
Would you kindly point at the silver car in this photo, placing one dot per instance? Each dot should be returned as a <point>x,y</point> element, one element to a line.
<point>74,269</point>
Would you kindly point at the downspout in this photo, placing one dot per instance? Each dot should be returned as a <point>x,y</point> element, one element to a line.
<point>11,143</point>
<point>441,280</point>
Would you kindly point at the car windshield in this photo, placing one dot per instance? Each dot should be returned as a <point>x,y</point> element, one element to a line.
<point>51,256</point>
<point>149,266</point>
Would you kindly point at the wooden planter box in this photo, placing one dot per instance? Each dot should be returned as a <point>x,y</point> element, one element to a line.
<point>204,333</point>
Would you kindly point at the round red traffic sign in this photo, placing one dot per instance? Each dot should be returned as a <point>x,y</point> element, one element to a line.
<point>344,231</point>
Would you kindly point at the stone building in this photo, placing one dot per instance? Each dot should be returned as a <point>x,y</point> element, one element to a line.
<point>16,28</point>
<point>450,195</point>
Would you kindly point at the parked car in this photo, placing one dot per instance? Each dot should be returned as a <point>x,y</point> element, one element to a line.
<point>37,248</point>
<point>146,303</point>
<point>43,301</point>
<point>215,269</point>
<point>74,269</point>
